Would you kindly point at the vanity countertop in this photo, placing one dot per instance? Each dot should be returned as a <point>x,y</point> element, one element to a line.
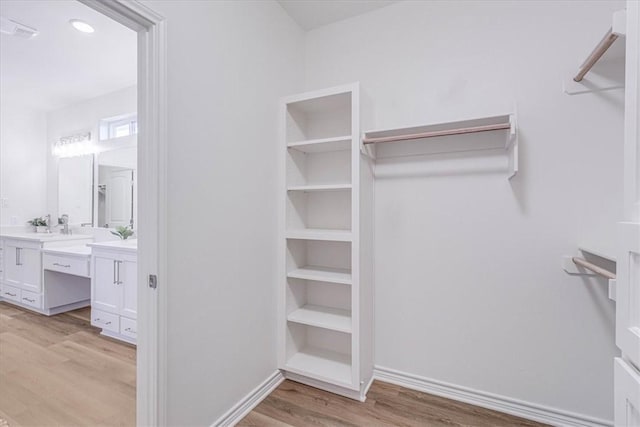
<point>129,245</point>
<point>43,237</point>
<point>79,250</point>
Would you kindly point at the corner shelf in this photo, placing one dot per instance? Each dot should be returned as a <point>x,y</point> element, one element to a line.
<point>505,123</point>
<point>322,274</point>
<point>322,317</point>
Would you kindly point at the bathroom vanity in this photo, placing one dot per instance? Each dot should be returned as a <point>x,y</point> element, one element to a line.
<point>44,272</point>
<point>114,288</point>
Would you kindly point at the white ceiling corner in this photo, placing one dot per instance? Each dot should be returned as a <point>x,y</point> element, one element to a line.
<point>310,14</point>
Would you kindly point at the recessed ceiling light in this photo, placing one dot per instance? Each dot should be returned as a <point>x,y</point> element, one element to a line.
<point>81,26</point>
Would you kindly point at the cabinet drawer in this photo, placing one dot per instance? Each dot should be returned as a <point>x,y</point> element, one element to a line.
<point>69,265</point>
<point>31,299</point>
<point>128,328</point>
<point>11,293</point>
<point>104,320</point>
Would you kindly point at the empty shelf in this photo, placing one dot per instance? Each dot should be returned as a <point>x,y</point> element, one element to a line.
<point>600,252</point>
<point>338,143</point>
<point>324,365</point>
<point>322,317</point>
<point>322,274</point>
<point>324,187</point>
<point>320,234</point>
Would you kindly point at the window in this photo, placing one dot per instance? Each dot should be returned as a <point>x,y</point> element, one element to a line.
<point>117,127</point>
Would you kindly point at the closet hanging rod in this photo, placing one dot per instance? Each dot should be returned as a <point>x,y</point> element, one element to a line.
<point>596,54</point>
<point>432,134</point>
<point>592,267</point>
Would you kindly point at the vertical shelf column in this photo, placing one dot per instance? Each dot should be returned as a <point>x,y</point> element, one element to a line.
<point>321,315</point>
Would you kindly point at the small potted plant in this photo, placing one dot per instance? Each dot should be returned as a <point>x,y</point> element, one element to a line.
<point>40,224</point>
<point>123,232</point>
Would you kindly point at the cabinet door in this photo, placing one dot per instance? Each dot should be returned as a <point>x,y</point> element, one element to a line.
<point>105,292</point>
<point>129,283</point>
<point>627,395</point>
<point>12,270</point>
<point>628,291</point>
<point>31,266</point>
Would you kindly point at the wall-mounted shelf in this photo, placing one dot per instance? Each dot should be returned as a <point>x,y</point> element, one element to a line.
<point>610,77</point>
<point>505,123</point>
<point>591,263</point>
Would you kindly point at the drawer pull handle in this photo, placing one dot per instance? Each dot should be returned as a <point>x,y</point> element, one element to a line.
<point>27,299</point>
<point>100,320</point>
<point>10,294</point>
<point>130,330</point>
<point>62,265</point>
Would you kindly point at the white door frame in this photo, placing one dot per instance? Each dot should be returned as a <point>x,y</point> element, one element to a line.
<point>152,203</point>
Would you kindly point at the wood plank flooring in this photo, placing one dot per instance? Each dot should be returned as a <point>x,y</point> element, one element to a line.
<point>58,371</point>
<point>293,404</point>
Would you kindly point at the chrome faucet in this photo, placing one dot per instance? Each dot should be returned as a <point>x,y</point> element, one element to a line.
<point>64,220</point>
<point>48,223</point>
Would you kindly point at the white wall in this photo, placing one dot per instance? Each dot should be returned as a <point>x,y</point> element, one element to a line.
<point>469,288</point>
<point>82,117</point>
<point>22,164</point>
<point>228,63</point>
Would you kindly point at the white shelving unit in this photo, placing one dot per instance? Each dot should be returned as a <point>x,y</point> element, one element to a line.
<point>326,292</point>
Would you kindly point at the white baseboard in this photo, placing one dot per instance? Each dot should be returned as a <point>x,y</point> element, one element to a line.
<point>530,411</point>
<point>250,401</point>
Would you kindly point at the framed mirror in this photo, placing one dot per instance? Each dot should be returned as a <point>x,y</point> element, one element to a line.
<point>75,189</point>
<point>115,194</point>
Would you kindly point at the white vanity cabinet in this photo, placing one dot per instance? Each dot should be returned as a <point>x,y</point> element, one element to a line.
<point>25,279</point>
<point>23,267</point>
<point>114,293</point>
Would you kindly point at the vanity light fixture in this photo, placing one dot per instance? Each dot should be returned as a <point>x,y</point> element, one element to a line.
<point>81,26</point>
<point>74,145</point>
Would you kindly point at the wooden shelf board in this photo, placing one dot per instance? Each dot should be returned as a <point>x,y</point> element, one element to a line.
<point>322,364</point>
<point>322,317</point>
<point>322,274</point>
<point>322,187</point>
<point>338,143</point>
<point>320,234</point>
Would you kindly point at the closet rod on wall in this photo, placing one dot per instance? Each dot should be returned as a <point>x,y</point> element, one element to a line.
<point>596,54</point>
<point>592,267</point>
<point>433,134</point>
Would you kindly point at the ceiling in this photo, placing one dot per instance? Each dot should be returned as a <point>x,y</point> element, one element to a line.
<point>62,66</point>
<point>310,14</point>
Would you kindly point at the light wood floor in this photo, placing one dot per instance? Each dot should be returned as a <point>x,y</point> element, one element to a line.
<point>58,371</point>
<point>293,404</point>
